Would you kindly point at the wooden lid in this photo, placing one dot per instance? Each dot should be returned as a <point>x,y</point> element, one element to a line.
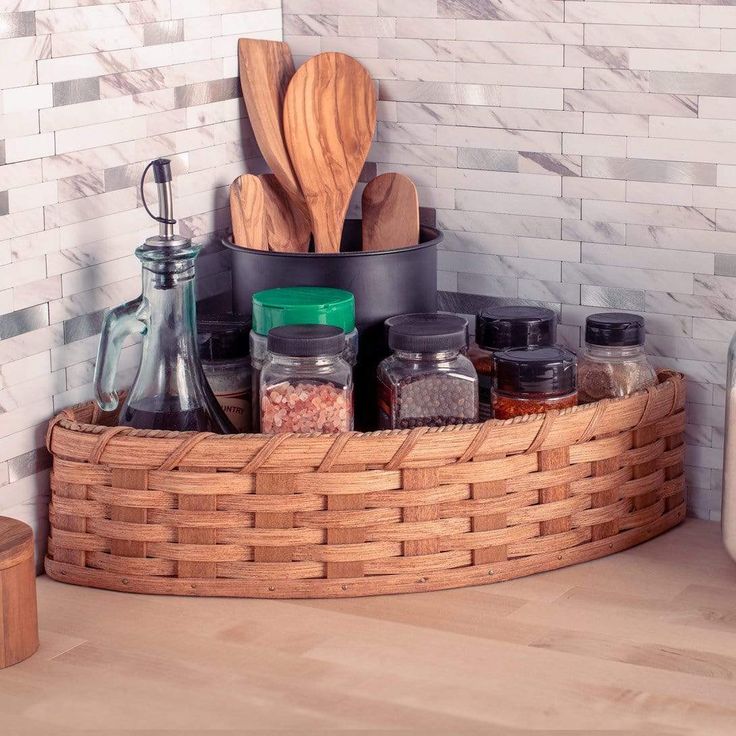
<point>16,542</point>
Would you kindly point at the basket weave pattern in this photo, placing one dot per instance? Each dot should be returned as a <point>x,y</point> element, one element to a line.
<point>361,514</point>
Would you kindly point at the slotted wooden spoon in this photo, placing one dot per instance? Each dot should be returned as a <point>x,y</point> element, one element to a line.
<point>265,70</point>
<point>287,227</point>
<point>329,120</point>
<point>390,213</point>
<point>247,210</point>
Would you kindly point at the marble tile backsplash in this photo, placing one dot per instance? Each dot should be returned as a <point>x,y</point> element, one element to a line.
<point>89,92</point>
<point>579,154</point>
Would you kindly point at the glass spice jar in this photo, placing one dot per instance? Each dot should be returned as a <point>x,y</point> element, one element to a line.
<point>224,354</point>
<point>533,381</point>
<point>306,385</point>
<point>298,305</point>
<point>427,381</point>
<point>613,363</point>
<point>501,328</point>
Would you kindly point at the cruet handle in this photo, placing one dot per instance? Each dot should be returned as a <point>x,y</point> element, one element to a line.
<point>120,322</point>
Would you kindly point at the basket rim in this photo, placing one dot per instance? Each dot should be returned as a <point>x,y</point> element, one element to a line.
<point>66,418</point>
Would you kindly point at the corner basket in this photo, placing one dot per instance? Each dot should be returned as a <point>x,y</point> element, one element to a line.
<point>293,516</point>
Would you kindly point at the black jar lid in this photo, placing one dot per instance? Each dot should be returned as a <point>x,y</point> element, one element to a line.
<point>427,333</point>
<point>545,370</point>
<point>306,341</point>
<point>223,337</point>
<point>615,329</point>
<point>500,328</point>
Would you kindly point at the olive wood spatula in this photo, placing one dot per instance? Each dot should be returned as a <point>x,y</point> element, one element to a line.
<point>390,213</point>
<point>247,210</point>
<point>329,120</point>
<point>287,227</point>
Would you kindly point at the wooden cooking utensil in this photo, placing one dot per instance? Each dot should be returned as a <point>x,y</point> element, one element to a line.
<point>287,227</point>
<point>390,213</point>
<point>247,209</point>
<point>329,119</point>
<point>265,70</point>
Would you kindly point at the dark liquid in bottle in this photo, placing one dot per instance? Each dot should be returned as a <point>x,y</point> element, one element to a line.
<point>165,413</point>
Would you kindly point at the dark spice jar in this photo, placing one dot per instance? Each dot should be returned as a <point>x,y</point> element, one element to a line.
<point>533,381</point>
<point>502,328</point>
<point>427,381</point>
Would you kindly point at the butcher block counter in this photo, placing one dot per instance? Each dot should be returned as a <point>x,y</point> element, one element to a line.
<point>640,642</point>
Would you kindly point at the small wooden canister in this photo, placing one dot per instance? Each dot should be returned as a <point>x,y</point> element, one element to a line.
<point>18,614</point>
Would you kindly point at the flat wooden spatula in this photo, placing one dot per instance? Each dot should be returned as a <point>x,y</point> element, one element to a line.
<point>390,213</point>
<point>287,227</point>
<point>329,120</point>
<point>265,70</point>
<point>247,209</point>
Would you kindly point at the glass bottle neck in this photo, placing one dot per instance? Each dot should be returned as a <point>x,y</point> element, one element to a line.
<point>614,351</point>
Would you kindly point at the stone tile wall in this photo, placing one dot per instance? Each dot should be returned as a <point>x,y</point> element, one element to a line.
<point>89,92</point>
<point>580,154</point>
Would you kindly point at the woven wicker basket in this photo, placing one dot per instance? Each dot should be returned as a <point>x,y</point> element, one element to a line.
<point>359,514</point>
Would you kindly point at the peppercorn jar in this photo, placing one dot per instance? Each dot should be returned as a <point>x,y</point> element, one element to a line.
<point>427,381</point>
<point>223,352</point>
<point>306,385</point>
<point>501,328</point>
<point>613,363</point>
<point>533,381</point>
<point>298,305</point>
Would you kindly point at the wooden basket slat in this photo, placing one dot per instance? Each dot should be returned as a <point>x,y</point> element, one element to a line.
<point>362,514</point>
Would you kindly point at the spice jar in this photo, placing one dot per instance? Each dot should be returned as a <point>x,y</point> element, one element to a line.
<point>299,305</point>
<point>613,363</point>
<point>427,380</point>
<point>501,328</point>
<point>533,381</point>
<point>223,351</point>
<point>306,384</point>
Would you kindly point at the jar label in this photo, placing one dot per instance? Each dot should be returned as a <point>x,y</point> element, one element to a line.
<point>236,406</point>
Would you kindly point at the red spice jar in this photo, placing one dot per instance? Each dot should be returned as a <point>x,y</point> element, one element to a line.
<point>533,381</point>
<point>503,328</point>
<point>306,385</point>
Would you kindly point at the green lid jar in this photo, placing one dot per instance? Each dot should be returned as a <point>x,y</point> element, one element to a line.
<point>299,305</point>
<point>303,305</point>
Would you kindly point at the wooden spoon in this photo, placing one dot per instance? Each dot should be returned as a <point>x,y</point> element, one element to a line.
<point>265,70</point>
<point>287,228</point>
<point>329,119</point>
<point>390,213</point>
<point>247,209</point>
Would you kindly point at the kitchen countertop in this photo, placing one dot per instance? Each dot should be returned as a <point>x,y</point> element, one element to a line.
<point>640,642</point>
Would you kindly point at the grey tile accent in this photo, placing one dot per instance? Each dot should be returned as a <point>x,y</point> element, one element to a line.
<point>76,90</point>
<point>470,304</point>
<point>28,463</point>
<point>203,93</point>
<point>2,151</point>
<point>310,25</point>
<point>168,31</point>
<point>428,216</point>
<point>24,320</point>
<point>14,25</point>
<point>369,172</point>
<point>4,203</point>
<point>487,159</point>
<point>692,83</point>
<point>635,169</point>
<point>726,266</point>
<point>610,297</point>
<point>121,177</point>
<point>530,161</point>
<point>83,326</point>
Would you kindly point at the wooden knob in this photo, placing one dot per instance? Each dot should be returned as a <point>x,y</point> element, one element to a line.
<point>18,614</point>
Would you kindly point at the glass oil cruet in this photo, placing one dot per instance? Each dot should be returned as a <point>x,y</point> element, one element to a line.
<point>728,509</point>
<point>170,390</point>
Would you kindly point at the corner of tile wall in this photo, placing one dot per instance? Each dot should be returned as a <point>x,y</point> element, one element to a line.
<point>579,154</point>
<point>89,92</point>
